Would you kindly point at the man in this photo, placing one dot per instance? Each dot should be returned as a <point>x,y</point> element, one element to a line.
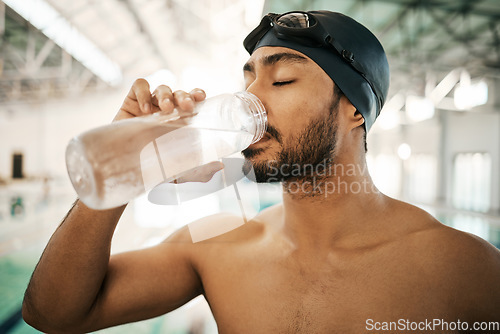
<point>346,260</point>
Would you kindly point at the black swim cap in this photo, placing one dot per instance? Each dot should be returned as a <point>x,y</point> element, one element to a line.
<point>348,52</point>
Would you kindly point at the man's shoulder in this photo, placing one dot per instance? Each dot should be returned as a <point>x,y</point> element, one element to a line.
<point>453,246</point>
<point>439,241</point>
<point>228,228</point>
<point>469,266</point>
<point>448,241</point>
<point>462,264</point>
<point>456,265</point>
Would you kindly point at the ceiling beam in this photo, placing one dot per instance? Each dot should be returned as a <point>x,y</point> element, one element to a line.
<point>393,21</point>
<point>451,6</point>
<point>466,39</point>
<point>134,11</point>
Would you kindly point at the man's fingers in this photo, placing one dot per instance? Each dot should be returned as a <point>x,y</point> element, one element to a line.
<point>167,101</point>
<point>140,92</point>
<point>164,98</point>
<point>140,101</point>
<point>198,95</point>
<point>183,100</point>
<point>135,101</point>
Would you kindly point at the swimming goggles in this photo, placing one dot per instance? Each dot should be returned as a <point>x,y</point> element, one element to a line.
<point>303,28</point>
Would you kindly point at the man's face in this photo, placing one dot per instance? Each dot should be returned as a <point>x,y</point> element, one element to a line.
<point>301,106</point>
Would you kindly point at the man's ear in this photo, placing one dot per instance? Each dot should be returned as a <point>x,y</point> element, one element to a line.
<point>353,116</point>
<point>358,119</point>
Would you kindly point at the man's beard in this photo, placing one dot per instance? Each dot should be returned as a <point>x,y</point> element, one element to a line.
<point>307,155</point>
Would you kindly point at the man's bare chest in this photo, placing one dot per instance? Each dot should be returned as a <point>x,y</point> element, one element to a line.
<point>283,297</point>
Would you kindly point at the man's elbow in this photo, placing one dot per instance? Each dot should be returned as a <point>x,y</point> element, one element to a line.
<point>46,323</point>
<point>31,316</point>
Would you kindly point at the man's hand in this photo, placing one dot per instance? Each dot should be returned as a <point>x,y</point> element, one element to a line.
<point>140,101</point>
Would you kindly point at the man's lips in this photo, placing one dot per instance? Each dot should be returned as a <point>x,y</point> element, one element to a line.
<point>266,136</point>
<point>264,139</point>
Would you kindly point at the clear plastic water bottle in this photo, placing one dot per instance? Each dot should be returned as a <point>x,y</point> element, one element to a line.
<point>113,164</point>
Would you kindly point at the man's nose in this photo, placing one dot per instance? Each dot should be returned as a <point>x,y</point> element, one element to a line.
<point>259,92</point>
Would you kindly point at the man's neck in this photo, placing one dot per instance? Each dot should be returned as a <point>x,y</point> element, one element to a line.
<point>339,209</point>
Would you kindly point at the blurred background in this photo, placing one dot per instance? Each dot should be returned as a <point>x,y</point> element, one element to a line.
<point>66,66</point>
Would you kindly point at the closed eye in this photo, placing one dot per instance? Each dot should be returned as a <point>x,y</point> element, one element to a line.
<point>282,83</point>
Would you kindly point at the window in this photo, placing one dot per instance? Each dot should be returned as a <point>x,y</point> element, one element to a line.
<point>422,178</point>
<point>472,181</point>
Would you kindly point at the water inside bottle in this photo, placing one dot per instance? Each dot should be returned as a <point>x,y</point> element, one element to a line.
<point>136,156</point>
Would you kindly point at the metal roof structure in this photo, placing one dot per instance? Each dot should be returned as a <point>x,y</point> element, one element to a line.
<point>423,38</point>
<point>133,37</point>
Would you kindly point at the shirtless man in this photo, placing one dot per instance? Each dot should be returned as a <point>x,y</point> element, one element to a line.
<point>350,261</point>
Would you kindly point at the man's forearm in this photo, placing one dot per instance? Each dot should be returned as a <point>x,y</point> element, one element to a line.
<point>70,273</point>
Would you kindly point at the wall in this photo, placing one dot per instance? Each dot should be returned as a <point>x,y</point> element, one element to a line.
<point>41,131</point>
<point>474,132</point>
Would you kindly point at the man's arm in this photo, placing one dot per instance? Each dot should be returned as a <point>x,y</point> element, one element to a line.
<point>78,287</point>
